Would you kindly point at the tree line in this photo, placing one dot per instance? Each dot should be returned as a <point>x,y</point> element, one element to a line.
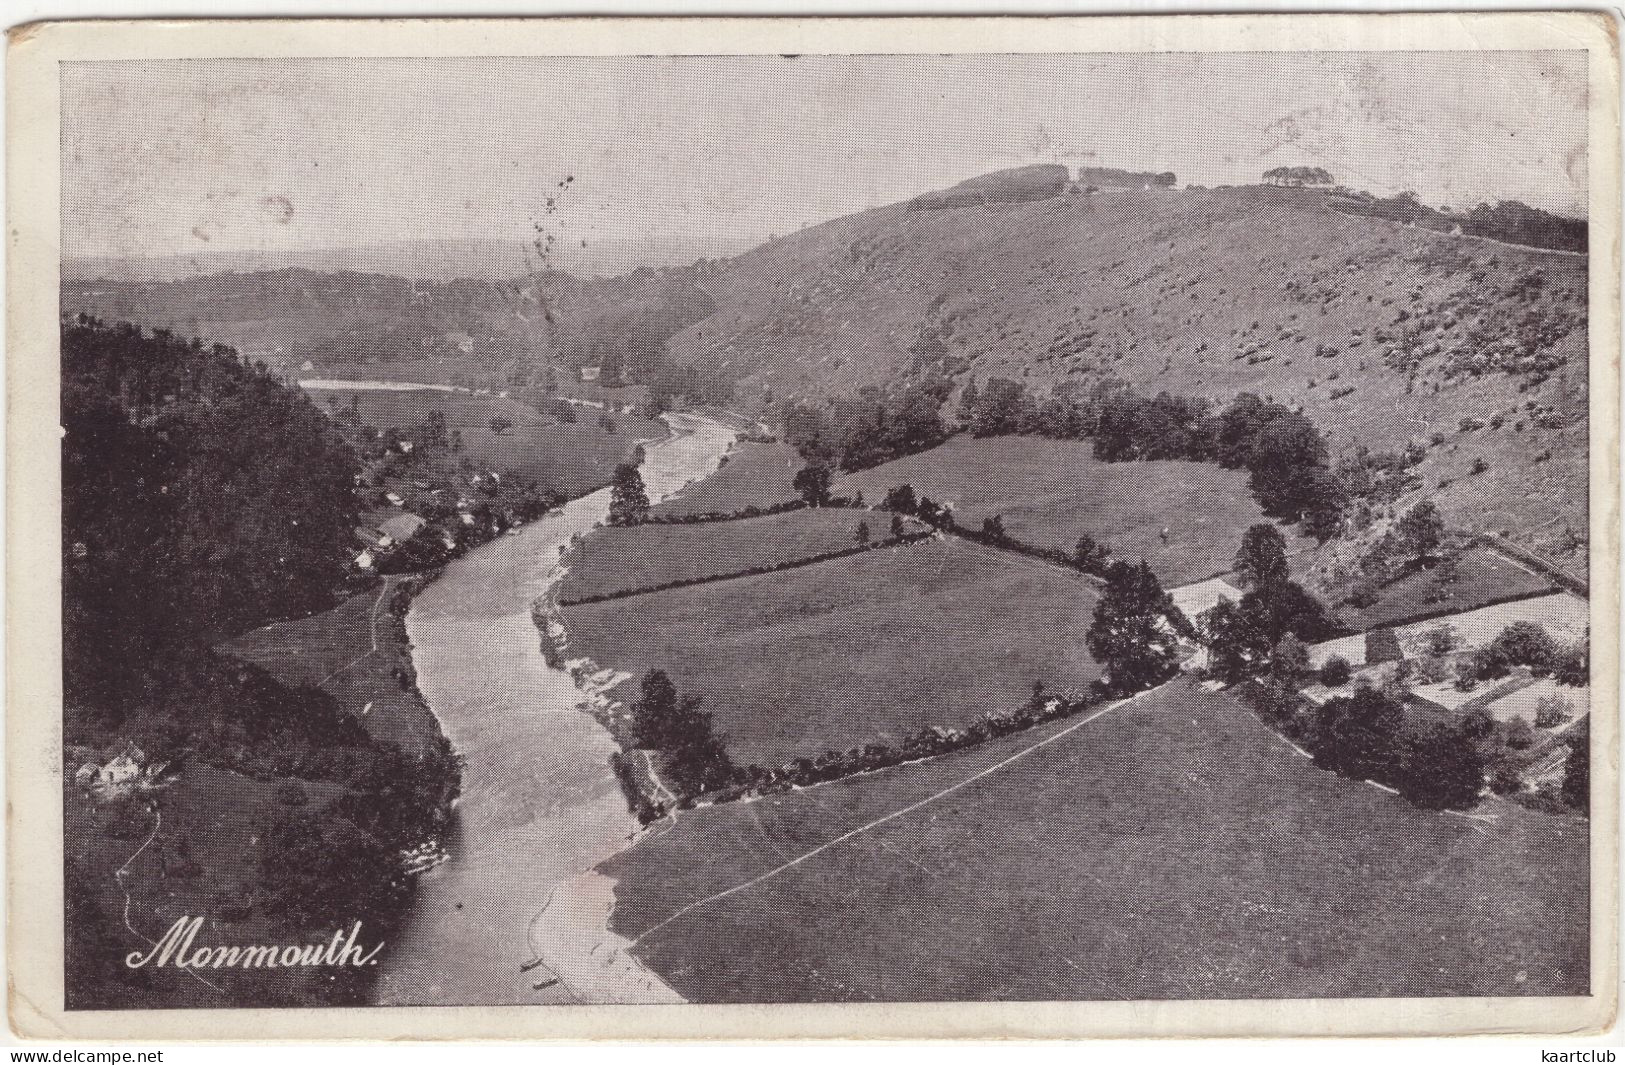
<point>1283,452</point>
<point>874,426</point>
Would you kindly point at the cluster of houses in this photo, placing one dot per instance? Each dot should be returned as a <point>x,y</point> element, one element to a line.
<point>124,772</point>
<point>383,540</point>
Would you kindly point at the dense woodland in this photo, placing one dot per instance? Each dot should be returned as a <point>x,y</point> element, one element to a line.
<point>202,498</point>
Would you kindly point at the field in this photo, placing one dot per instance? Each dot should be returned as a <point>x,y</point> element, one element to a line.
<point>572,458</point>
<point>1170,848</point>
<point>358,654</point>
<point>755,475</point>
<point>1482,576</point>
<point>1049,492</point>
<point>865,648</point>
<point>612,559</point>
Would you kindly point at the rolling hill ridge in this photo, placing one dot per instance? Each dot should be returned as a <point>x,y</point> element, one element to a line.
<point>1470,351</point>
<point>1386,335</point>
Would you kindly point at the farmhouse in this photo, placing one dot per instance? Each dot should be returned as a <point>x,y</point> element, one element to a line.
<point>590,373</point>
<point>402,527</point>
<point>1194,600</point>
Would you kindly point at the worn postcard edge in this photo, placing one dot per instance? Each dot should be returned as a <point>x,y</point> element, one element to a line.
<point>33,605</point>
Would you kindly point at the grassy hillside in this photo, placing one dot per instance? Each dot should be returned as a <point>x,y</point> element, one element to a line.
<point>1170,848</point>
<point>1049,492</point>
<point>870,647</point>
<point>752,475</point>
<point>1383,333</point>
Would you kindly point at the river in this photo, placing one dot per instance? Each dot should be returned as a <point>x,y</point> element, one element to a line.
<point>540,806</point>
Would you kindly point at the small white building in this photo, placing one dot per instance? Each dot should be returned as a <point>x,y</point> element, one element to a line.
<point>121,770</point>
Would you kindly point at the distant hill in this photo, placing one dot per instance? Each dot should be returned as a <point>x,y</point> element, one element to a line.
<point>463,331</point>
<point>1388,328</point>
<point>416,260</point>
<point>1384,333</point>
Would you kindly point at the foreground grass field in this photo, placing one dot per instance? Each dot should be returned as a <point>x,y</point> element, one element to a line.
<point>357,653</point>
<point>755,475</point>
<point>1050,492</point>
<point>865,648</point>
<point>1170,848</point>
<point>643,555</point>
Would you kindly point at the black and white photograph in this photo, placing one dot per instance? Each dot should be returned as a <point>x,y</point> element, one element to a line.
<point>1095,524</point>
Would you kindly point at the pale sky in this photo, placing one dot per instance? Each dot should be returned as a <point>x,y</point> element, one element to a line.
<point>164,158</point>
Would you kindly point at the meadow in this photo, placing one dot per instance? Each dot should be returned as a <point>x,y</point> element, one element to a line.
<point>357,653</point>
<point>755,475</point>
<point>1172,847</point>
<point>1049,492</point>
<point>616,559</point>
<point>860,649</point>
<point>1482,577</point>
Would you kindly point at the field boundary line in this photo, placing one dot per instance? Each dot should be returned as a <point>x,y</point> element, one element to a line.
<point>894,815</point>
<point>738,575</point>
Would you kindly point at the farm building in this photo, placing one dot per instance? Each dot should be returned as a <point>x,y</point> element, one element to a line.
<point>121,770</point>
<point>1525,700</point>
<point>402,527</point>
<point>1197,599</point>
<point>589,373</point>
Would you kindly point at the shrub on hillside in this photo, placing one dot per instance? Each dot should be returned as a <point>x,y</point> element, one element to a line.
<point>1336,672</point>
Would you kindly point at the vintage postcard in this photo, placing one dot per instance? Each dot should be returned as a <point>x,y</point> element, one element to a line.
<point>836,528</point>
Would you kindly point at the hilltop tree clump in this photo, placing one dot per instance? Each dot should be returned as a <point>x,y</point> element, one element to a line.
<point>1298,176</point>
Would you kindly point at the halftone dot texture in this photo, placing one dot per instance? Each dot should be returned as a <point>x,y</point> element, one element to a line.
<point>1172,847</point>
